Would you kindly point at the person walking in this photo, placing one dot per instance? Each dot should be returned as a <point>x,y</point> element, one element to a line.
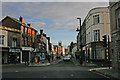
<point>49,58</point>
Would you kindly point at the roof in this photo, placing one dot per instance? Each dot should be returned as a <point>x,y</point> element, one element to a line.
<point>19,22</point>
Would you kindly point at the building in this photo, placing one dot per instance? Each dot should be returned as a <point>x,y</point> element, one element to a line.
<point>115,34</point>
<point>74,49</point>
<point>23,41</point>
<point>43,42</point>
<point>4,45</point>
<point>81,41</point>
<point>59,50</point>
<point>12,41</point>
<point>97,24</point>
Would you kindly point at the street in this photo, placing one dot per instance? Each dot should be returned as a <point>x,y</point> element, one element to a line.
<point>60,70</point>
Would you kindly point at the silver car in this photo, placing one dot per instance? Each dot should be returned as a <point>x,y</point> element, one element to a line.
<point>66,58</point>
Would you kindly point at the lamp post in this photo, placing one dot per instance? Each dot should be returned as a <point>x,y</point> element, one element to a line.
<point>80,32</point>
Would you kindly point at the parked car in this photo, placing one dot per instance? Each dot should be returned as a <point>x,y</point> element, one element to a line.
<point>70,56</point>
<point>66,58</point>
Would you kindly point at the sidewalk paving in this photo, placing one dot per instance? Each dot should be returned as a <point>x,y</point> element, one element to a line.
<point>105,71</point>
<point>112,74</point>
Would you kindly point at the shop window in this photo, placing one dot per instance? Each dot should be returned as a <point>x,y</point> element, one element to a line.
<point>2,39</point>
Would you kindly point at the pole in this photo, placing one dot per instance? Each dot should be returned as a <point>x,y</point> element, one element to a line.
<point>108,51</point>
<point>80,31</point>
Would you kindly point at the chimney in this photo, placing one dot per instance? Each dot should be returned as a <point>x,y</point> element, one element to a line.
<point>21,19</point>
<point>44,35</point>
<point>48,39</point>
<point>41,31</point>
<point>29,25</point>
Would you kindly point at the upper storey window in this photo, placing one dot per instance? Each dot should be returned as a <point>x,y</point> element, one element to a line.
<point>23,31</point>
<point>96,35</point>
<point>26,30</point>
<point>118,17</point>
<point>96,19</point>
<point>2,39</point>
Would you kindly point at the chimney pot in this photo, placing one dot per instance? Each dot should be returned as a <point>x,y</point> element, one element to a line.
<point>41,31</point>
<point>29,25</point>
<point>44,35</point>
<point>21,19</point>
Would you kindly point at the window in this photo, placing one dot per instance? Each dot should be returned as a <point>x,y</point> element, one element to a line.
<point>96,35</point>
<point>2,39</point>
<point>118,18</point>
<point>96,19</point>
<point>26,41</point>
<point>26,30</point>
<point>31,32</point>
<point>14,42</point>
<point>23,41</point>
<point>118,51</point>
<point>23,31</point>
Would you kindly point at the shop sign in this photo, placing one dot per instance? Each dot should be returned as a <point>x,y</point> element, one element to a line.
<point>27,48</point>
<point>14,50</point>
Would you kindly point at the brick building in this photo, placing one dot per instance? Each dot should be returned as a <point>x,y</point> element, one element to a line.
<point>26,38</point>
<point>44,43</point>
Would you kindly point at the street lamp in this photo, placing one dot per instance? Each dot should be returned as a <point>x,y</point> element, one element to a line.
<point>80,32</point>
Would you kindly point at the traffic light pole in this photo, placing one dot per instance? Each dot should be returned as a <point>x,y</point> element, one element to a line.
<point>108,51</point>
<point>81,52</point>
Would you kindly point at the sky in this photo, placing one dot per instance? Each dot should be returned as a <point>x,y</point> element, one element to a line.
<point>57,19</point>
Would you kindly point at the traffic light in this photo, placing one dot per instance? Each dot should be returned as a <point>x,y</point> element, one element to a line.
<point>104,41</point>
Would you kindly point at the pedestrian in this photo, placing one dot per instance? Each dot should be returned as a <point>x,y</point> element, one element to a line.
<point>49,58</point>
<point>26,61</point>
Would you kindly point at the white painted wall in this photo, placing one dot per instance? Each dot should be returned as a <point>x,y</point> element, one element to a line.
<point>5,33</point>
<point>103,26</point>
<point>74,50</point>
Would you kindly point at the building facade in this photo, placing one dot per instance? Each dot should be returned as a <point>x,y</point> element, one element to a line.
<point>4,45</point>
<point>12,41</point>
<point>22,42</point>
<point>97,25</point>
<point>43,42</point>
<point>115,34</point>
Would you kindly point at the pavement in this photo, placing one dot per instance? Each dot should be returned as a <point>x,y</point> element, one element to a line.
<point>104,71</point>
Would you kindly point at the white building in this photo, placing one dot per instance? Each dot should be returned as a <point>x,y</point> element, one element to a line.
<point>97,25</point>
<point>3,45</point>
<point>74,50</point>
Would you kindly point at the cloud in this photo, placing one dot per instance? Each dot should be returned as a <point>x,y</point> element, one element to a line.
<point>63,14</point>
<point>39,25</point>
<point>57,0</point>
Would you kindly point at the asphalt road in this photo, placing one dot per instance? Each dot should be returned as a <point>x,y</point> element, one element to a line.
<point>60,70</point>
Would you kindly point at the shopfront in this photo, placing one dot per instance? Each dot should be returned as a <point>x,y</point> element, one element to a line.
<point>4,51</point>
<point>26,54</point>
<point>14,55</point>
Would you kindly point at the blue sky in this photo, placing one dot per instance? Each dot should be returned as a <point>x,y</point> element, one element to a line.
<point>58,19</point>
